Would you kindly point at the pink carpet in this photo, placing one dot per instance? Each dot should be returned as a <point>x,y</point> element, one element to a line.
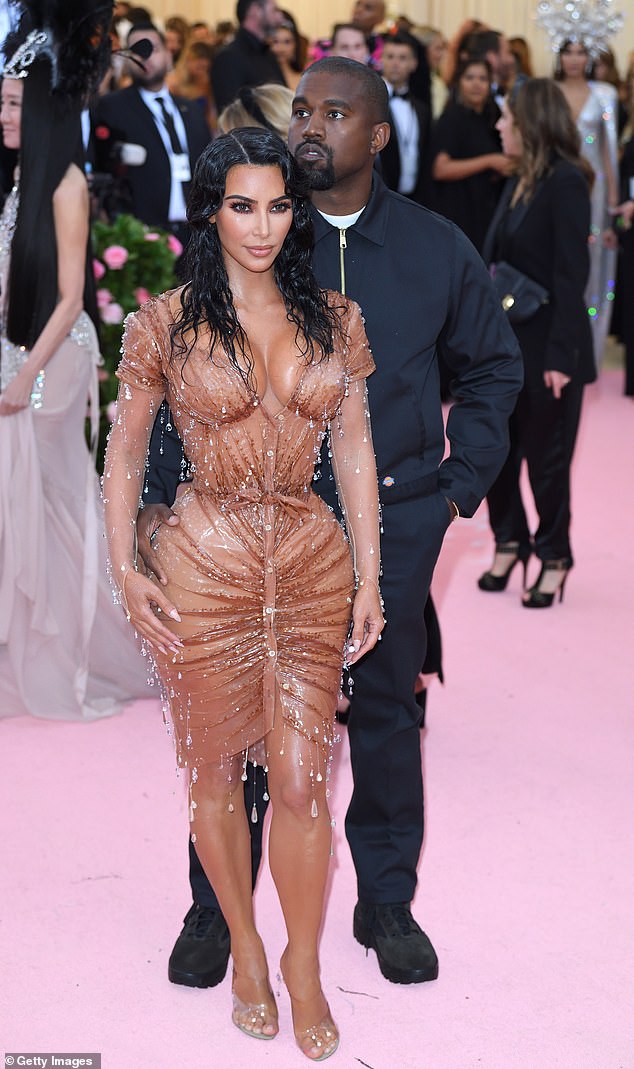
<point>526,884</point>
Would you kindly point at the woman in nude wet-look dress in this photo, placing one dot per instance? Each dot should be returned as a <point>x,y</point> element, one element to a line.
<point>258,365</point>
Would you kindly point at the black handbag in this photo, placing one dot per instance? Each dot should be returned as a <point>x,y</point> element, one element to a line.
<point>520,296</point>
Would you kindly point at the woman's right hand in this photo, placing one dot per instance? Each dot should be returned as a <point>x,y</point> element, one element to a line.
<point>556,381</point>
<point>504,165</point>
<point>140,598</point>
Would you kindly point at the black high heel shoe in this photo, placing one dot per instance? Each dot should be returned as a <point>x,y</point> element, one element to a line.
<point>541,599</point>
<point>515,553</point>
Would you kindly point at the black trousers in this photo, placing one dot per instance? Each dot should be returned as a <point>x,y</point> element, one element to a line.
<point>384,822</point>
<point>543,431</point>
<point>385,819</point>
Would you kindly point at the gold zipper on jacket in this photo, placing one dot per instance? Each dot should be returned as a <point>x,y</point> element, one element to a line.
<point>342,262</point>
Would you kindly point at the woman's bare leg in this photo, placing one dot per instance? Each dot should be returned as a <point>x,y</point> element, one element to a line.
<point>223,845</point>
<point>299,854</point>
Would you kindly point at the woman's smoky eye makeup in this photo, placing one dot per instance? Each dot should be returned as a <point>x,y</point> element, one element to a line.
<point>242,207</point>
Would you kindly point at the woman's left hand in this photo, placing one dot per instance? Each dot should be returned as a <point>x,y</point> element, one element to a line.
<point>556,381</point>
<point>609,239</point>
<point>17,394</point>
<point>626,211</point>
<point>367,621</point>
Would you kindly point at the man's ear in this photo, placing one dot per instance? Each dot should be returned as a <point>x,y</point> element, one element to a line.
<point>380,137</point>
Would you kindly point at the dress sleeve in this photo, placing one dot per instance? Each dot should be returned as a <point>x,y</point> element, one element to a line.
<point>359,362</point>
<point>140,365</point>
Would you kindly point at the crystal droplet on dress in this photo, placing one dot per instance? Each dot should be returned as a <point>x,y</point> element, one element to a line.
<point>231,504</point>
<point>254,814</point>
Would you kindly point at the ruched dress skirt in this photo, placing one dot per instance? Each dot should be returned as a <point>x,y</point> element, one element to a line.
<point>258,566</point>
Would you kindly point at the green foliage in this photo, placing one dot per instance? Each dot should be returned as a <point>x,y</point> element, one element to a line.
<point>131,262</point>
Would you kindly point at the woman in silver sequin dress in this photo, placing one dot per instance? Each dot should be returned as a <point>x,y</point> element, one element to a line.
<point>64,652</point>
<point>594,109</point>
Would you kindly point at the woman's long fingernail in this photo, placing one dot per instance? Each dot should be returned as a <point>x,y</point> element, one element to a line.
<point>174,616</point>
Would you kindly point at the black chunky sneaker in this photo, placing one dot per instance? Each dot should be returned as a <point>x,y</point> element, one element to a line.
<point>404,952</point>
<point>201,952</point>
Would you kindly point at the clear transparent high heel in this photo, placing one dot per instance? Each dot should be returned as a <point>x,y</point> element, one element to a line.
<point>324,1036</point>
<point>252,1017</point>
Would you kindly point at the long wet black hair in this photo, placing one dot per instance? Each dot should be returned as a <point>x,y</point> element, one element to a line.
<point>57,83</point>
<point>50,140</point>
<point>207,298</point>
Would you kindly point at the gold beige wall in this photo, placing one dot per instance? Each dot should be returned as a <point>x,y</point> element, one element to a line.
<point>316,16</point>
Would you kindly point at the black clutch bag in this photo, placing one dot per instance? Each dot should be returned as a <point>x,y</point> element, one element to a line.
<point>520,296</point>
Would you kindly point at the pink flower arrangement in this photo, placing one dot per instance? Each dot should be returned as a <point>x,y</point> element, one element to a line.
<point>115,256</point>
<point>104,297</point>
<point>152,236</point>
<point>98,269</point>
<point>142,295</point>
<point>112,313</point>
<point>174,245</point>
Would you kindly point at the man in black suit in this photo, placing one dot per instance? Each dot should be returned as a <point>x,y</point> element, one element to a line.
<point>248,60</point>
<point>172,131</point>
<point>423,289</point>
<point>405,158</point>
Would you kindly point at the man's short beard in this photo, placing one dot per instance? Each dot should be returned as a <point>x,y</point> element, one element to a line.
<point>141,81</point>
<point>318,177</point>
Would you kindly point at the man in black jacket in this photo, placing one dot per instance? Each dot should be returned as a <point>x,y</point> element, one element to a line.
<point>422,288</point>
<point>171,130</point>
<point>247,60</point>
<point>405,158</point>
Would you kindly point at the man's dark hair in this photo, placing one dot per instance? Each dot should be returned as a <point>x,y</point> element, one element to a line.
<point>243,7</point>
<point>481,42</point>
<point>348,26</point>
<point>139,14</point>
<point>401,38</point>
<point>145,27</point>
<point>370,83</point>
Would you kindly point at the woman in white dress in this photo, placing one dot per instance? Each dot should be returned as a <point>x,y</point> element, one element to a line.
<point>65,652</point>
<point>594,108</point>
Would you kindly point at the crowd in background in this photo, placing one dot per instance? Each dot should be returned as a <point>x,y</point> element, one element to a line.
<point>537,177</point>
<point>445,100</point>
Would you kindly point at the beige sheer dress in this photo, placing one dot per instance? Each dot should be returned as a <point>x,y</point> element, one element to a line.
<point>259,569</point>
